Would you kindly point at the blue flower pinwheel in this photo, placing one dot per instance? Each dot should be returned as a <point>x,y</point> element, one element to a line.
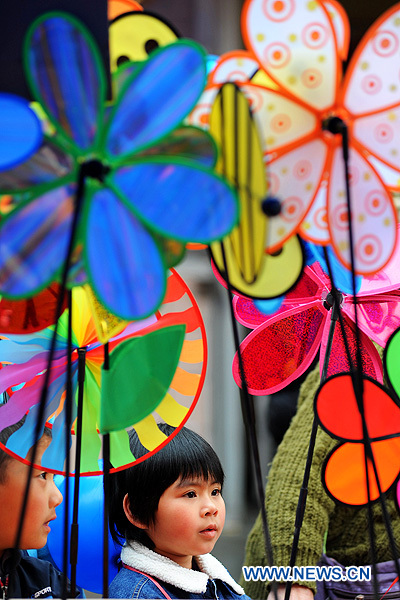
<point>104,187</point>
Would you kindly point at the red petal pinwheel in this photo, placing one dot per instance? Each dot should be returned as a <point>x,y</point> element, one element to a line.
<point>338,411</point>
<point>282,346</point>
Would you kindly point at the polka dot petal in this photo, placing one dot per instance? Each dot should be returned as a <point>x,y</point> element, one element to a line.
<point>373,215</point>
<point>372,80</point>
<point>296,33</point>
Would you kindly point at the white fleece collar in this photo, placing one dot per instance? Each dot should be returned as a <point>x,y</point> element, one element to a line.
<point>143,559</point>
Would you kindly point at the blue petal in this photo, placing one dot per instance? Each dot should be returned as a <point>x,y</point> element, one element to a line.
<point>179,200</point>
<point>124,265</point>
<point>157,98</point>
<point>65,72</point>
<point>34,241</point>
<point>342,277</point>
<point>20,131</point>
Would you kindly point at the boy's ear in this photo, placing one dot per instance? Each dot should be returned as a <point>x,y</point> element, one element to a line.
<point>129,515</point>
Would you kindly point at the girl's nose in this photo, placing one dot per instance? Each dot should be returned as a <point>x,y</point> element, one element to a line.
<point>210,508</point>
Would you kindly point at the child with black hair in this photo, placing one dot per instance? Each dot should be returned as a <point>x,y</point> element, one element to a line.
<point>169,511</point>
<point>23,576</point>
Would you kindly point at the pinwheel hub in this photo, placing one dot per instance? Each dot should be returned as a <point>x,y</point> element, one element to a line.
<point>333,298</point>
<point>94,169</point>
<point>334,124</point>
<point>271,206</point>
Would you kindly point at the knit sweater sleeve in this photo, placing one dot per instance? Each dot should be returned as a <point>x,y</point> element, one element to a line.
<point>282,493</point>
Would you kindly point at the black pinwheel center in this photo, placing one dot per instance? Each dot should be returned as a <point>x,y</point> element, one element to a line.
<point>94,169</point>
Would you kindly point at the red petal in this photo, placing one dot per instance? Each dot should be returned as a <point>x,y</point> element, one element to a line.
<point>338,412</point>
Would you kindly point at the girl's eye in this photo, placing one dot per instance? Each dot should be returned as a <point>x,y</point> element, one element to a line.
<point>43,475</point>
<point>191,494</point>
<point>216,492</point>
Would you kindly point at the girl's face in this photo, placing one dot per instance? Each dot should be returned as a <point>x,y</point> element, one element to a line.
<point>189,520</point>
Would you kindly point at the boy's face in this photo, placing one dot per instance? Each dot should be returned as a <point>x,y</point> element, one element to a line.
<point>189,520</point>
<point>43,498</point>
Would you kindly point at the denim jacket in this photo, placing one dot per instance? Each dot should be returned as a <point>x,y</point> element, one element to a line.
<point>160,577</point>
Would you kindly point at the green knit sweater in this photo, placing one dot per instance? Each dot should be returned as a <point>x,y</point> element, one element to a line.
<point>346,528</point>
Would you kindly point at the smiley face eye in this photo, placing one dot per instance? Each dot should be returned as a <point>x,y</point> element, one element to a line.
<point>121,60</point>
<point>151,45</point>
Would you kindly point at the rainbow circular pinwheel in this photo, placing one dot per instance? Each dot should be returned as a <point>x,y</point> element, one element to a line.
<point>157,370</point>
<point>339,413</point>
<point>282,346</point>
<point>292,76</point>
<point>120,190</point>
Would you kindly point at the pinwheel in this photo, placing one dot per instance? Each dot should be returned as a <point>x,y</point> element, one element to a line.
<point>339,413</point>
<point>163,380</point>
<point>116,195</point>
<point>299,45</point>
<point>282,346</point>
<point>241,258</point>
<point>135,34</point>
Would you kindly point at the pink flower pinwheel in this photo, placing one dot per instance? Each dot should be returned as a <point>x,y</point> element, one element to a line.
<point>292,76</point>
<point>282,346</point>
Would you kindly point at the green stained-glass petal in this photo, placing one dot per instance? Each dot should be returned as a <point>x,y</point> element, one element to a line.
<point>141,371</point>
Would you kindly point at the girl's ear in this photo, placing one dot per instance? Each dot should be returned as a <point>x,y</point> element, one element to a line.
<point>129,515</point>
